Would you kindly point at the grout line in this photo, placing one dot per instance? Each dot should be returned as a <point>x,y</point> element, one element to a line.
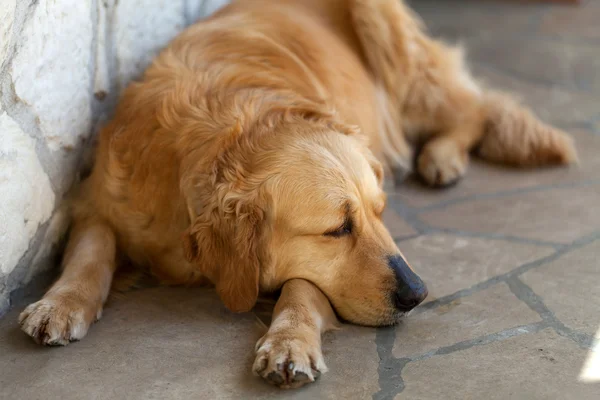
<point>508,275</point>
<point>524,293</point>
<point>390,368</point>
<point>411,216</point>
<point>527,296</point>
<point>483,340</point>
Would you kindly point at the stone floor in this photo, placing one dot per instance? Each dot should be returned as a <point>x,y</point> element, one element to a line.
<point>512,260</point>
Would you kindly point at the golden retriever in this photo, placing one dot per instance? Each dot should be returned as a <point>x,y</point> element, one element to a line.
<point>250,156</point>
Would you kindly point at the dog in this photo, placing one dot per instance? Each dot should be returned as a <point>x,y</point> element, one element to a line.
<point>251,156</point>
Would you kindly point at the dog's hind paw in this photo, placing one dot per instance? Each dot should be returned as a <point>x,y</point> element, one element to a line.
<point>442,163</point>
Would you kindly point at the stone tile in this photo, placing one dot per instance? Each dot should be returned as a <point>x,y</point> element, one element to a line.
<point>534,46</point>
<point>552,103</point>
<point>549,63</point>
<point>483,313</point>
<point>477,18</point>
<point>448,263</point>
<point>557,215</point>
<point>351,355</point>
<point>172,343</point>
<point>570,287</point>
<point>534,366</point>
<point>577,23</point>
<point>159,342</point>
<point>397,226</point>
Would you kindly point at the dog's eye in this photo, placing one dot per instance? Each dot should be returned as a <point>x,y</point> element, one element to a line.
<point>345,229</point>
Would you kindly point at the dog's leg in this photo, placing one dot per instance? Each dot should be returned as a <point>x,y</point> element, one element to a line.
<point>391,143</point>
<point>289,354</point>
<point>75,301</point>
<point>444,158</point>
<point>428,88</point>
<point>438,101</point>
<point>386,30</point>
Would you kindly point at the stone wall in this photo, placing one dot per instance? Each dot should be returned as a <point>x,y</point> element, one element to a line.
<point>62,66</point>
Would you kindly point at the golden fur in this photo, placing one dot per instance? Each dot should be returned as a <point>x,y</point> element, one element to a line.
<point>248,146</point>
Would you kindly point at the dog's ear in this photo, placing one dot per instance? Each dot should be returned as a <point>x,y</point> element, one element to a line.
<point>227,248</point>
<point>238,283</point>
<point>225,236</point>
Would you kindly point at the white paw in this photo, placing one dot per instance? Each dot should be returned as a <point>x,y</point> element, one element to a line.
<point>56,322</point>
<point>287,360</point>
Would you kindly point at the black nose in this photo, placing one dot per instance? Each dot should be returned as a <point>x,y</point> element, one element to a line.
<point>411,290</point>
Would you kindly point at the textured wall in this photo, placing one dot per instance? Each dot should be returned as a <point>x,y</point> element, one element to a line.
<point>62,66</point>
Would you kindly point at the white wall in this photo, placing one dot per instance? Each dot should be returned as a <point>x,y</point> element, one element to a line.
<point>62,66</point>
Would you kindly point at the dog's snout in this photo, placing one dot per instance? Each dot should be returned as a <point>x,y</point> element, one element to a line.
<point>411,290</point>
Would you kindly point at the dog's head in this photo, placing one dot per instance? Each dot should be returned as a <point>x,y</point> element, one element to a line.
<point>301,198</point>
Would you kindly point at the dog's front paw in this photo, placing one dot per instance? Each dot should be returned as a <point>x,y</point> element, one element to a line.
<point>289,360</point>
<point>57,321</point>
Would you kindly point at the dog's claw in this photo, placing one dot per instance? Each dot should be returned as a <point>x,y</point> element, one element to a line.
<point>300,376</point>
<point>275,378</point>
<point>286,377</point>
<point>288,362</point>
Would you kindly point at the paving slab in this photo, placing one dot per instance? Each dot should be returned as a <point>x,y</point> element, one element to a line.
<point>397,226</point>
<point>573,23</point>
<point>487,312</point>
<point>558,215</point>
<point>449,264</point>
<point>542,366</point>
<point>172,343</point>
<point>570,287</point>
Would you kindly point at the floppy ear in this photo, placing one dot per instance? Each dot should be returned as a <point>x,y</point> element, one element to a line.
<point>226,226</point>
<point>229,248</point>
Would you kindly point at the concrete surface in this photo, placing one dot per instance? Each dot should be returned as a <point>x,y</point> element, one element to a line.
<point>511,259</point>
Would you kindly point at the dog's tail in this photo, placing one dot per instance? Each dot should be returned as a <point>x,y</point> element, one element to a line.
<point>513,135</point>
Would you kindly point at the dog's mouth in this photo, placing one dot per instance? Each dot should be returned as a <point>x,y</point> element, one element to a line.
<point>389,318</point>
<point>393,318</point>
